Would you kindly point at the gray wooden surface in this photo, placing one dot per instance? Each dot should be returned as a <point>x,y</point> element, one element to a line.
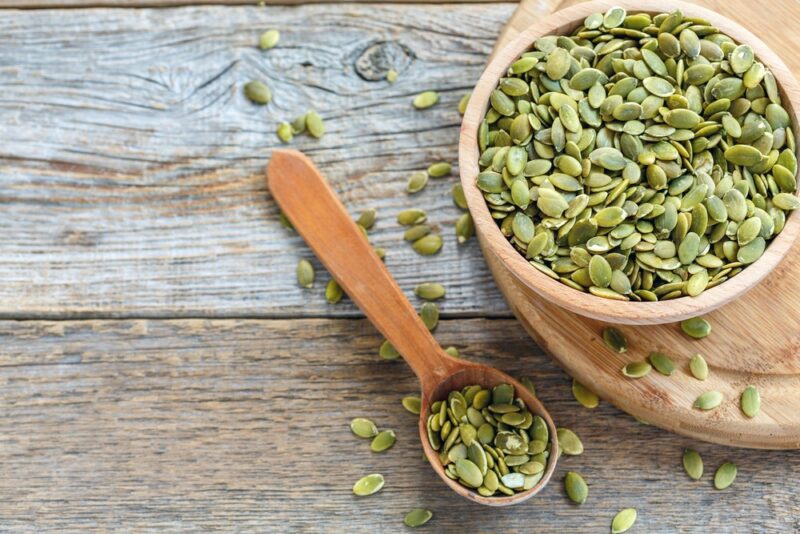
<point>159,368</point>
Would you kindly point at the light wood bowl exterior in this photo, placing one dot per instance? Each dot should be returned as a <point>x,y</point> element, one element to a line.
<point>526,279</point>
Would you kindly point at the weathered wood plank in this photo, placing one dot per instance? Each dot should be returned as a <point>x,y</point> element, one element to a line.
<point>53,4</point>
<point>242,425</point>
<point>131,168</point>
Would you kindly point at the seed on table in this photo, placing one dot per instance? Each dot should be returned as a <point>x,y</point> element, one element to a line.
<point>333,292</point>
<point>615,340</point>
<point>528,383</point>
<point>391,76</point>
<point>299,125</point>
<point>585,398</point>
<point>429,291</point>
<point>708,400</point>
<point>315,124</point>
<point>425,99</point>
<point>698,367</point>
<point>383,441</point>
<point>453,351</point>
<point>417,182</point>
<point>697,327</point>
<point>576,487</point>
<point>428,245</point>
<point>623,521</point>
<point>429,313</point>
<point>439,169</point>
<point>662,363</point>
<point>416,232</point>
<point>257,92</point>
<point>693,464</point>
<point>725,475</point>
<point>368,485</point>
<point>417,517</point>
<point>412,404</point>
<point>462,104</point>
<point>636,369</point>
<point>285,132</point>
<point>269,39</point>
<point>305,274</point>
<point>465,228</point>
<point>367,218</point>
<point>458,196</point>
<point>411,216</point>
<point>569,442</point>
<point>750,401</point>
<point>387,351</point>
<point>363,428</point>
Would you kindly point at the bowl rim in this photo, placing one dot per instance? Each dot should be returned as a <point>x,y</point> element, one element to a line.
<point>622,312</point>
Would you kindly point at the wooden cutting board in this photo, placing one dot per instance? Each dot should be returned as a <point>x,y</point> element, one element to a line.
<point>755,340</point>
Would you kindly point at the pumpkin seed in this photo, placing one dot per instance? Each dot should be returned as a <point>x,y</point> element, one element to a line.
<point>725,475</point>
<point>363,428</point>
<point>698,367</point>
<point>305,274</point>
<point>585,398</point>
<point>383,441</point>
<point>428,245</point>
<point>315,124</point>
<point>417,517</point>
<point>693,464</point>
<point>750,401</point>
<point>568,442</point>
<point>368,485</point>
<point>576,487</point>
<point>367,218</point>
<point>285,132</point>
<point>458,196</point>
<point>439,169</point>
<point>412,404</point>
<point>636,369</point>
<point>429,313</point>
<point>391,76</point>
<point>269,39</point>
<point>425,99</point>
<point>696,327</point>
<point>429,291</point>
<point>387,351</point>
<point>411,216</point>
<point>417,182</point>
<point>464,227</point>
<point>615,340</point>
<point>662,363</point>
<point>257,92</point>
<point>453,351</point>
<point>462,104</point>
<point>708,400</point>
<point>333,292</point>
<point>623,521</point>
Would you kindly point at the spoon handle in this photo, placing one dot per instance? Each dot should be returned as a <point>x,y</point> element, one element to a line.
<point>318,215</point>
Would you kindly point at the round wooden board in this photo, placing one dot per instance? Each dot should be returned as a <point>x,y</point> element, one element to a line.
<point>755,340</point>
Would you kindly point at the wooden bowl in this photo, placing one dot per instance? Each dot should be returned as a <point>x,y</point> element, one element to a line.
<point>525,278</point>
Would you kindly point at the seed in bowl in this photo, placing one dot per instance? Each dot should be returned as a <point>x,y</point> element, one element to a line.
<point>488,441</point>
<point>640,158</point>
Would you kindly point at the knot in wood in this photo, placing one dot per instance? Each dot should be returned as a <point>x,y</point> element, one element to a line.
<point>376,60</point>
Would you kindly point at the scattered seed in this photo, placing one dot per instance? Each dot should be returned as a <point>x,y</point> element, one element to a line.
<point>305,274</point>
<point>388,352</point>
<point>315,124</point>
<point>623,521</point>
<point>696,327</point>
<point>725,475</point>
<point>708,400</point>
<point>698,367</point>
<point>257,92</point>
<point>693,464</point>
<point>465,228</point>
<point>269,39</point>
<point>458,196</point>
<point>636,369</point>
<point>367,218</point>
<point>462,104</point>
<point>412,404</point>
<point>585,398</point>
<point>383,441</point>
<point>411,216</point>
<point>368,485</point>
<point>417,182</point>
<point>363,428</point>
<point>662,363</point>
<point>391,76</point>
<point>429,313</point>
<point>333,292</point>
<point>426,99</point>
<point>417,517</point>
<point>576,487</point>
<point>453,351</point>
<point>429,291</point>
<point>569,442</point>
<point>615,340</point>
<point>440,169</point>
<point>285,132</point>
<point>428,245</point>
<point>750,401</point>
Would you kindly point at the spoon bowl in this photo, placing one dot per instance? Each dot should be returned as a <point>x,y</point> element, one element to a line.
<point>318,215</point>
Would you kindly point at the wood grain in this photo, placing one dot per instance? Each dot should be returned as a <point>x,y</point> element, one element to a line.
<point>131,168</point>
<point>51,4</point>
<point>242,425</point>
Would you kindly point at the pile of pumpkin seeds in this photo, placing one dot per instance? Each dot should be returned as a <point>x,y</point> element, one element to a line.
<point>639,158</point>
<point>488,440</point>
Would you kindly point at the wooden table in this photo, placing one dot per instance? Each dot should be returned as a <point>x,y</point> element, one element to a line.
<point>159,367</point>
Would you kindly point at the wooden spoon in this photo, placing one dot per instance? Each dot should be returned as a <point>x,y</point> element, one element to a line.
<point>318,215</point>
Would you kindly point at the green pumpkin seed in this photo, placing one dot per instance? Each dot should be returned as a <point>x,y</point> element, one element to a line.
<point>636,369</point>
<point>391,76</point>
<point>623,521</point>
<point>417,182</point>
<point>368,485</point>
<point>257,92</point>
<point>305,274</point>
<point>363,428</point>
<point>411,217</point>
<point>576,487</point>
<point>429,291</point>
<point>693,464</point>
<point>315,124</point>
<point>333,292</point>
<point>741,59</point>
<point>750,401</point>
<point>388,352</point>
<point>744,155</point>
<point>464,227</point>
<point>429,313</point>
<point>440,169</point>
<point>662,363</point>
<point>269,39</point>
<point>569,442</point>
<point>708,400</point>
<point>698,367</point>
<point>367,218</point>
<point>383,441</point>
<point>425,99</point>
<point>615,340</point>
<point>585,398</point>
<point>463,103</point>
<point>725,475</point>
<point>417,517</point>
<point>285,132</point>
<point>416,232</point>
<point>696,327</point>
<point>785,201</point>
<point>411,404</point>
